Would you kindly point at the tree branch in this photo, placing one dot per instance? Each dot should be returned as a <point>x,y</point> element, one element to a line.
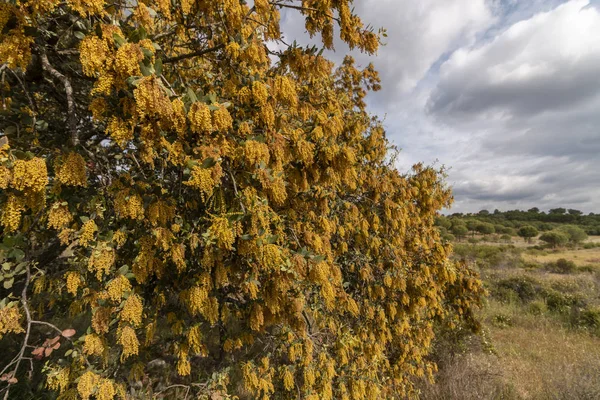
<point>72,117</point>
<point>198,53</point>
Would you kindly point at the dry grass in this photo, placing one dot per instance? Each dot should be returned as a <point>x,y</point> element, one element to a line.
<point>537,354</point>
<point>580,257</point>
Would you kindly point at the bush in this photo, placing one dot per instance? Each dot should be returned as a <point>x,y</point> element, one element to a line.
<point>587,318</point>
<point>524,287</point>
<point>537,307</point>
<point>561,266</point>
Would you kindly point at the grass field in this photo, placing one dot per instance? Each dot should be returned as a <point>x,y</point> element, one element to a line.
<point>541,329</point>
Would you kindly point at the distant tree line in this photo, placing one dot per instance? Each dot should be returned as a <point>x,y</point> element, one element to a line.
<point>557,227</point>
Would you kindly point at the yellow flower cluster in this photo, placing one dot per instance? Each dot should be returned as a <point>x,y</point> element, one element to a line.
<point>184,367</point>
<point>119,238</point>
<point>256,152</point>
<point>151,99</point>
<point>30,175</point>
<point>194,340</point>
<point>118,287</point>
<point>11,214</point>
<point>106,390</point>
<point>202,179</point>
<point>92,345</point>
<point>58,380</point>
<point>15,49</point>
<point>197,299</point>
<point>129,205</point>
<point>101,260</point>
<point>223,232</point>
<point>127,60</point>
<point>9,320</point>
<point>132,310</point>
<point>73,282</point>
<point>200,119</point>
<point>86,385</point>
<point>178,257</point>
<point>119,131</point>
<point>222,120</point>
<point>71,171</point>
<point>285,90</point>
<point>260,93</point>
<point>87,7</point>
<point>128,339</point>
<point>59,216</point>
<point>87,232</point>
<point>94,55</point>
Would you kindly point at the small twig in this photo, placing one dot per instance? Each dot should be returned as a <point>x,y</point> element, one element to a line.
<point>236,191</point>
<point>72,117</point>
<point>27,332</point>
<point>193,54</point>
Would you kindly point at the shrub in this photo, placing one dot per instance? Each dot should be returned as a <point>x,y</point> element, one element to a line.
<point>561,266</point>
<point>524,287</point>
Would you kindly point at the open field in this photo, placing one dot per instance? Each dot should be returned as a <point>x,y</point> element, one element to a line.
<point>541,329</point>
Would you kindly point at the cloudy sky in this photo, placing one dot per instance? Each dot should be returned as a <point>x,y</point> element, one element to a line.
<point>505,93</point>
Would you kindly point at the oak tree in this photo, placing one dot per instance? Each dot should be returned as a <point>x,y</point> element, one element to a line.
<point>186,212</point>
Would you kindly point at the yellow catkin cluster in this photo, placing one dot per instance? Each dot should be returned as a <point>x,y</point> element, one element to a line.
<point>59,216</point>
<point>119,238</point>
<point>86,385</point>
<point>106,390</point>
<point>119,131</point>
<point>58,380</point>
<point>222,120</point>
<point>92,345</point>
<point>88,231</point>
<point>5,177</point>
<point>11,213</point>
<point>202,179</point>
<point>101,260</point>
<point>94,55</point>
<point>256,152</point>
<point>10,317</point>
<point>129,341</point>
<point>129,205</point>
<point>197,299</point>
<point>127,60</point>
<point>288,379</point>
<point>260,92</point>
<point>194,339</point>
<point>285,90</point>
<point>15,50</point>
<point>71,171</point>
<point>87,7</point>
<point>200,118</point>
<point>118,287</point>
<point>132,310</point>
<point>184,367</point>
<point>151,99</point>
<point>104,84</point>
<point>30,175</point>
<point>73,282</point>
<point>223,232</point>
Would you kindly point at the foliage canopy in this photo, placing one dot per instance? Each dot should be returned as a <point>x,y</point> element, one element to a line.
<point>186,212</point>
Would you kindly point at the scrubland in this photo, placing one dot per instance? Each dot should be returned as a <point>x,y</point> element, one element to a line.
<point>540,336</point>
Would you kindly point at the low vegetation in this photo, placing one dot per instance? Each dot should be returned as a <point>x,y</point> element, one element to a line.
<point>540,336</point>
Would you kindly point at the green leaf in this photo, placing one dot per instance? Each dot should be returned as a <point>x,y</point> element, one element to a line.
<point>146,70</point>
<point>118,40</point>
<point>10,130</point>
<point>158,66</point>
<point>192,95</point>
<point>209,163</point>
<point>8,283</point>
<point>79,35</point>
<point>124,269</point>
